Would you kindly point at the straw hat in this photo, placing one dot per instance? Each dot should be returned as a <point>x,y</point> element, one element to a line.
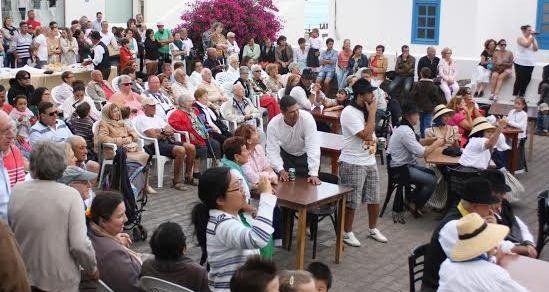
<point>480,124</point>
<point>440,110</point>
<point>476,237</point>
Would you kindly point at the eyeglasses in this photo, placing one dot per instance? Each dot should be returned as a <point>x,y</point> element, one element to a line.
<point>52,113</point>
<point>257,71</point>
<point>502,45</point>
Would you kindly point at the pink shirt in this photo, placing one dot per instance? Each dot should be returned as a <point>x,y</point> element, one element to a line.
<point>456,119</point>
<point>133,101</point>
<point>257,166</point>
<point>343,58</point>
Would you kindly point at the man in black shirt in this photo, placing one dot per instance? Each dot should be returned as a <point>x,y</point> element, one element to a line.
<point>430,61</point>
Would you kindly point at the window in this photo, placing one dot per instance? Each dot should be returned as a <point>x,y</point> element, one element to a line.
<point>542,25</point>
<point>425,22</point>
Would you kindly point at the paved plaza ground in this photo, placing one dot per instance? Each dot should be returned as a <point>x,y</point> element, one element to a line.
<point>374,266</point>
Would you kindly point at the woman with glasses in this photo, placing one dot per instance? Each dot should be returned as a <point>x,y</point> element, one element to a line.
<point>222,230</point>
<point>503,68</point>
<point>448,73</point>
<point>126,97</point>
<point>20,85</point>
<point>267,98</point>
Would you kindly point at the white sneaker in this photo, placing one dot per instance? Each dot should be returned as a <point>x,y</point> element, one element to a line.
<point>277,242</point>
<point>350,239</point>
<point>376,234</point>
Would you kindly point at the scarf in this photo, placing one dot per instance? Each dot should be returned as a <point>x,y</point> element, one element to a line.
<point>178,44</point>
<point>106,115</point>
<point>197,124</point>
<point>210,115</point>
<point>97,230</point>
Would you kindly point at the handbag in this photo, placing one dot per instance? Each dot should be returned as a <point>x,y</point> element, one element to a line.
<point>113,51</point>
<point>452,151</point>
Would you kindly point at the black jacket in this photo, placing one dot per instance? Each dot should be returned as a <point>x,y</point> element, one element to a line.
<point>267,54</point>
<point>16,89</point>
<point>425,62</point>
<point>426,95</point>
<point>434,255</point>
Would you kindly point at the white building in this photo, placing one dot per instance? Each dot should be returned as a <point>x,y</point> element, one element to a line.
<point>462,25</point>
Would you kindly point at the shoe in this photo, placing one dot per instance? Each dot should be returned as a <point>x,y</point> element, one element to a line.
<point>196,175</point>
<point>190,181</point>
<point>150,190</point>
<point>179,186</point>
<point>277,242</point>
<point>476,94</point>
<point>350,239</point>
<point>376,234</point>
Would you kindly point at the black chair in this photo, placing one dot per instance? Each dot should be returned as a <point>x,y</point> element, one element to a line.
<point>316,215</point>
<point>398,183</point>
<point>456,182</point>
<point>383,130</point>
<point>416,265</point>
<point>543,221</point>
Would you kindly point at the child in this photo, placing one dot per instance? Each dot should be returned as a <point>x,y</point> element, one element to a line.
<point>518,118</point>
<point>342,100</point>
<point>322,276</point>
<point>81,124</point>
<point>24,119</point>
<point>315,43</point>
<point>125,54</point>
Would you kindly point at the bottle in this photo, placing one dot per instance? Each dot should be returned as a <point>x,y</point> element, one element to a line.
<point>291,174</point>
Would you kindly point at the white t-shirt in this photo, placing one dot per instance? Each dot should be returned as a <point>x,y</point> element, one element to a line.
<point>143,123</point>
<point>353,152</point>
<point>40,40</point>
<point>518,120</point>
<point>477,155</point>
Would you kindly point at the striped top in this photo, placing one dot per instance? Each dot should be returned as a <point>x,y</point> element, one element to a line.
<point>22,44</point>
<point>230,243</point>
<point>14,164</point>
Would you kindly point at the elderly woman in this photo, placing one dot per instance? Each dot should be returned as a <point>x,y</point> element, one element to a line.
<point>169,245</point>
<point>232,45</point>
<point>126,97</point>
<point>53,240</point>
<point>244,80</point>
<point>215,93</point>
<point>219,42</point>
<point>182,84</point>
<point>232,72</point>
<point>503,68</point>
<point>274,80</point>
<point>441,129</point>
<point>258,165</point>
<point>284,55</point>
<point>112,129</point>
<point>185,118</point>
<point>267,99</point>
<point>379,63</point>
<point>166,86</point>
<point>448,73</point>
<point>118,266</point>
<point>240,109</point>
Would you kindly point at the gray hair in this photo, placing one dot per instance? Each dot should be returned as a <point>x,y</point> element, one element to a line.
<point>72,140</point>
<point>256,67</point>
<point>230,34</point>
<point>205,71</point>
<point>237,85</point>
<point>183,98</point>
<point>48,161</point>
<point>124,79</point>
<point>244,69</point>
<point>293,66</point>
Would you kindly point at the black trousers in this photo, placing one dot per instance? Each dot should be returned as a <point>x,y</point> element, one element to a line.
<point>523,75</point>
<point>298,162</point>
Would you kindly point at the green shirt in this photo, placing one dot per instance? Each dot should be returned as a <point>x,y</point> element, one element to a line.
<point>162,36</point>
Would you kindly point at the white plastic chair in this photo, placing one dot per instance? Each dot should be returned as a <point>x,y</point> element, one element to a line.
<point>102,287</point>
<point>114,83</point>
<point>222,77</point>
<point>98,104</point>
<point>280,93</point>
<point>53,93</point>
<point>104,162</point>
<point>160,160</point>
<point>152,284</point>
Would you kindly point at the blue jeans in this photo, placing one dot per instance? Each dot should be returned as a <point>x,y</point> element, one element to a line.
<point>542,122</point>
<point>425,121</point>
<point>408,81</point>
<point>425,181</point>
<point>341,75</point>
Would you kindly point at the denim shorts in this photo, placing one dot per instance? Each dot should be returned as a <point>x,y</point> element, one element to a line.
<point>326,74</point>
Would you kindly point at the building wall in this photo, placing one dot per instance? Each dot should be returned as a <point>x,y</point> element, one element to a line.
<point>291,14</point>
<point>464,26</point>
<point>74,9</point>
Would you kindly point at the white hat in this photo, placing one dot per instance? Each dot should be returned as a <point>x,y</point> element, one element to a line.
<point>440,110</point>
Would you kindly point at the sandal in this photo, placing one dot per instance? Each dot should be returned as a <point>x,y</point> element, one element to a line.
<point>190,181</point>
<point>179,186</point>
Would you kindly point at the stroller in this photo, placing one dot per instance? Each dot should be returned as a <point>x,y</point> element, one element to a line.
<point>126,177</point>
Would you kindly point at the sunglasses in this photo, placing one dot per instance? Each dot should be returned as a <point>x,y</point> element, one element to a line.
<point>25,78</point>
<point>503,45</point>
<point>52,113</point>
<point>126,84</point>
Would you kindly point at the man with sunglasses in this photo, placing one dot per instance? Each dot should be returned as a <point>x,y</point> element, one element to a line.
<point>49,127</point>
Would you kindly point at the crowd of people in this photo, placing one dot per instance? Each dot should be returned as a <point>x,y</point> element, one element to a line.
<point>248,110</point>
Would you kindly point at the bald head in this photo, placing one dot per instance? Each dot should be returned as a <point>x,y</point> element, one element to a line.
<point>206,75</point>
<point>7,131</point>
<point>179,75</point>
<point>238,91</point>
<point>79,147</point>
<point>154,83</point>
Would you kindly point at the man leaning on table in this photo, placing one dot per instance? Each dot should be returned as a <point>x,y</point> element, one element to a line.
<point>292,142</point>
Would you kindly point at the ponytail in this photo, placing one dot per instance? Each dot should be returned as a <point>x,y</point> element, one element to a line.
<point>199,218</point>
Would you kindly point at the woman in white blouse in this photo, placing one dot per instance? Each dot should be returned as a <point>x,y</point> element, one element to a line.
<point>69,47</point>
<point>447,72</point>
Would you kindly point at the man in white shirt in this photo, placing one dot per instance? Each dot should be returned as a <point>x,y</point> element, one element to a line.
<point>40,40</point>
<point>358,162</point>
<point>292,142</point>
<point>188,45</point>
<point>49,127</point>
<point>100,55</point>
<point>196,75</point>
<point>64,90</point>
<point>108,37</point>
<point>163,102</point>
<point>182,84</point>
<point>152,126</point>
<point>96,24</point>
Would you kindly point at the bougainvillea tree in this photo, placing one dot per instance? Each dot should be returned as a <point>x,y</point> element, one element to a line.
<point>246,18</point>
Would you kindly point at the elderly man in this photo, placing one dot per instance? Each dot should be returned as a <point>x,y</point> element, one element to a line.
<point>292,142</point>
<point>80,149</point>
<point>216,95</point>
<point>182,84</point>
<point>49,127</point>
<point>239,108</point>
<point>163,102</point>
<point>99,89</point>
<point>430,61</point>
<point>213,62</point>
<point>7,136</point>
<point>244,80</point>
<point>64,90</point>
<point>99,55</point>
<point>233,72</point>
<point>151,125</point>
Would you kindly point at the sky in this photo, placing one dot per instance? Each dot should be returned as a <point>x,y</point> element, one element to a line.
<point>316,11</point>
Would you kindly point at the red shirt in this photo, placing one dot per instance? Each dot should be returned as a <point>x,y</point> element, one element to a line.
<point>33,24</point>
<point>181,121</point>
<point>7,108</point>
<point>14,164</point>
<point>107,90</point>
<point>125,57</point>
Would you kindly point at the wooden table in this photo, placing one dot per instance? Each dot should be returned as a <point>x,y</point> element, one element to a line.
<point>299,195</point>
<point>512,133</point>
<point>436,157</point>
<point>530,273</point>
<point>500,109</point>
<point>331,117</point>
<point>331,144</point>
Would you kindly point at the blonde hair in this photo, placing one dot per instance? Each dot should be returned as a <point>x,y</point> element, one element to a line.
<point>271,68</point>
<point>445,51</point>
<point>290,281</point>
<point>200,92</point>
<point>454,102</point>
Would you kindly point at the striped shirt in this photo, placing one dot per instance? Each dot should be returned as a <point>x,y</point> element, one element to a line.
<point>15,165</point>
<point>82,127</point>
<point>22,44</point>
<point>41,132</point>
<point>230,243</point>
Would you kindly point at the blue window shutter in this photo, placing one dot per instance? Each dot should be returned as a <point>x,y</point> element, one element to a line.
<point>425,22</point>
<point>542,24</point>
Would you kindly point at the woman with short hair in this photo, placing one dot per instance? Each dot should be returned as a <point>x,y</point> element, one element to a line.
<point>284,55</point>
<point>447,72</point>
<point>118,265</point>
<point>274,80</point>
<point>379,63</point>
<point>53,240</point>
<point>485,67</point>
<point>503,68</point>
<point>69,47</point>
